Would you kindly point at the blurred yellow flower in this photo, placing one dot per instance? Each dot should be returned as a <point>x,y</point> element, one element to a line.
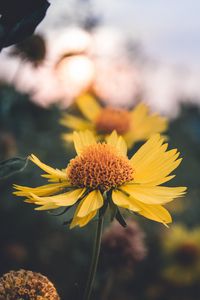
<point>101,175</point>
<point>182,248</point>
<point>135,125</point>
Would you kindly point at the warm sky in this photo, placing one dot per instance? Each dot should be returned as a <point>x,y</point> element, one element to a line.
<point>169,30</point>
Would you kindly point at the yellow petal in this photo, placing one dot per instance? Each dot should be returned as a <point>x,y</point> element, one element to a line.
<point>153,194</point>
<point>139,112</point>
<point>153,212</point>
<point>83,140</point>
<point>82,221</point>
<point>162,180</point>
<point>129,138</point>
<point>47,206</point>
<point>144,124</point>
<point>122,200</point>
<point>118,142</point>
<point>44,190</point>
<point>156,213</point>
<point>53,173</point>
<point>65,199</point>
<point>75,123</point>
<point>152,163</point>
<point>67,137</point>
<point>90,203</point>
<point>151,145</point>
<point>89,106</point>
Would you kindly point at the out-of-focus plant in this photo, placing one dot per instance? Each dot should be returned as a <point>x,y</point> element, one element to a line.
<point>182,249</point>
<point>33,50</point>
<point>134,125</point>
<point>122,250</point>
<point>7,145</point>
<point>123,247</point>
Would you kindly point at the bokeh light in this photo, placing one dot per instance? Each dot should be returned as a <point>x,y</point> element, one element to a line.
<point>76,74</point>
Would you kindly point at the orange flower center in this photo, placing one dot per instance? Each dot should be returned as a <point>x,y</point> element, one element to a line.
<point>100,166</point>
<point>113,119</point>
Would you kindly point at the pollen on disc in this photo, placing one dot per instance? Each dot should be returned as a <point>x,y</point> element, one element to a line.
<point>100,166</point>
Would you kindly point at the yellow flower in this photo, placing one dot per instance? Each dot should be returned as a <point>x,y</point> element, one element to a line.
<point>135,125</point>
<point>101,175</point>
<point>182,248</point>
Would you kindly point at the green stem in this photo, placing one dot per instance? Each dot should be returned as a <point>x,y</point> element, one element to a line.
<point>95,258</point>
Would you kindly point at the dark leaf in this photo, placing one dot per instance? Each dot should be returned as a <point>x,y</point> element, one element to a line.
<point>12,166</point>
<point>60,213</point>
<point>19,19</point>
<point>120,219</point>
<point>113,210</point>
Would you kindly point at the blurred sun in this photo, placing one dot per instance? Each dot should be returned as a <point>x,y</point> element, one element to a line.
<point>76,72</point>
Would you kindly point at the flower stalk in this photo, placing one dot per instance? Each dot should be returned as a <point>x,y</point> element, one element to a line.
<point>95,258</point>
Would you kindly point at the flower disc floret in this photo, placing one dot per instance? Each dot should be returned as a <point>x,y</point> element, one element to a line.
<point>25,284</point>
<point>111,119</point>
<point>100,166</point>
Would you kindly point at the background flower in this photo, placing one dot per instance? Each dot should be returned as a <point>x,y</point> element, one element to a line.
<point>123,250</point>
<point>123,247</point>
<point>182,248</point>
<point>134,125</point>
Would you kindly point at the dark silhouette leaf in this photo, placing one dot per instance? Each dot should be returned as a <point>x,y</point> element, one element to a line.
<point>19,19</point>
